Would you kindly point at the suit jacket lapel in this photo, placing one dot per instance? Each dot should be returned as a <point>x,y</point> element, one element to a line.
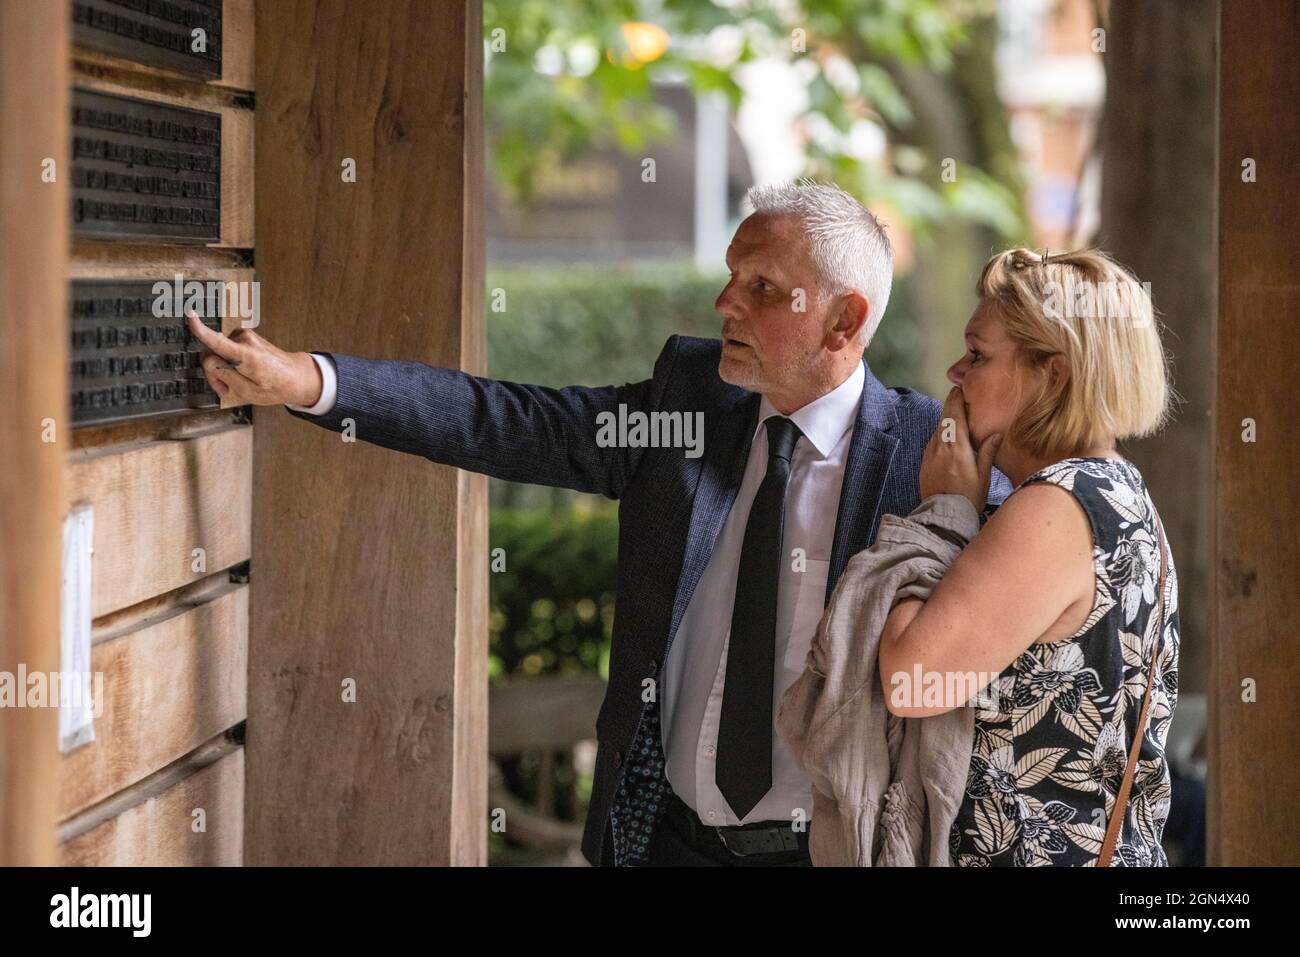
<point>722,469</point>
<point>870,454</point>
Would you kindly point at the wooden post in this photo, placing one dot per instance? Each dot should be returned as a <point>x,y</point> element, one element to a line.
<point>1254,769</point>
<point>34,230</point>
<point>370,567</point>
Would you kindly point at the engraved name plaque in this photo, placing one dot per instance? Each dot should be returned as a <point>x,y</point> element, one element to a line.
<point>144,171</point>
<point>180,35</point>
<point>132,355</point>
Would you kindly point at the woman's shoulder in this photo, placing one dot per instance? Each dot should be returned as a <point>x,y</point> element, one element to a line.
<point>1111,492</point>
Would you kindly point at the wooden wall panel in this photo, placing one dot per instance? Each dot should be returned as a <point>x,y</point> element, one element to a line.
<point>1254,769</point>
<point>171,681</point>
<point>368,565</point>
<point>159,830</point>
<point>155,503</point>
<point>34,228</point>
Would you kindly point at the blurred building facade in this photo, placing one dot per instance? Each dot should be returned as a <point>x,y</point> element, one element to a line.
<point>1053,84</point>
<point>600,207</point>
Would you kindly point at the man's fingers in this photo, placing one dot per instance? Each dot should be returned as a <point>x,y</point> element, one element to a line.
<point>214,380</point>
<point>215,369</point>
<point>228,349</point>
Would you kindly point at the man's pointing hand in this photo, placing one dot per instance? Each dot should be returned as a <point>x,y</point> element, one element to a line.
<point>245,369</point>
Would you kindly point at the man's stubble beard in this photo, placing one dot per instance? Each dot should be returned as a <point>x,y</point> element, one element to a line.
<point>750,375</point>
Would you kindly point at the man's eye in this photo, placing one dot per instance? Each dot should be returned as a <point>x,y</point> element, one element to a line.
<point>976,355</point>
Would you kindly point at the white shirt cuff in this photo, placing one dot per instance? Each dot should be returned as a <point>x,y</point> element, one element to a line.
<point>329,388</point>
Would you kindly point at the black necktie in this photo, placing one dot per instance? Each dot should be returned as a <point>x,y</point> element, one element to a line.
<point>744,767</point>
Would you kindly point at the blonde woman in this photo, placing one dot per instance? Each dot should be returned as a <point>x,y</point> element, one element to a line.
<point>1057,593</point>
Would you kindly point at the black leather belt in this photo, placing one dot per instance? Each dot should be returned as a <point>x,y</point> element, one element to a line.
<point>742,840</point>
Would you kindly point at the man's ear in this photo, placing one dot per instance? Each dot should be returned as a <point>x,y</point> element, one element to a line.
<point>847,319</point>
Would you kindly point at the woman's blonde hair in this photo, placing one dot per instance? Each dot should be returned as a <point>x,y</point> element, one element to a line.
<point>1091,311</point>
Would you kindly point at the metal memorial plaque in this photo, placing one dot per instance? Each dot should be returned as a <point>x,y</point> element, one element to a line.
<point>180,35</point>
<point>144,171</point>
<point>132,355</point>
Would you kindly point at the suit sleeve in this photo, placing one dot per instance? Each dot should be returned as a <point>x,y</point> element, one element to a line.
<point>999,489</point>
<point>522,433</point>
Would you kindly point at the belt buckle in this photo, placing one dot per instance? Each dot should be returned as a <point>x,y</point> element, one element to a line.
<point>723,838</point>
<point>788,841</point>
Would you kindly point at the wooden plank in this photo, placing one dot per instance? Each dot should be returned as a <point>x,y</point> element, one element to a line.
<point>34,227</point>
<point>236,137</point>
<point>170,682</point>
<point>1254,759</point>
<point>157,502</point>
<point>364,550</point>
<point>160,830</point>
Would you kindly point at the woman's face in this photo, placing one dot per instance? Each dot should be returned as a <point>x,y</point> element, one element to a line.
<point>993,382</point>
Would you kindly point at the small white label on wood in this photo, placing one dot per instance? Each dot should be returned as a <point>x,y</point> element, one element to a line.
<point>76,709</point>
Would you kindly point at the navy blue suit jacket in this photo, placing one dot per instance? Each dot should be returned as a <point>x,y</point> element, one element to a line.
<point>672,507</point>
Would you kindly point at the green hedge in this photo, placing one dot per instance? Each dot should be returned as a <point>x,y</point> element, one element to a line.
<point>566,325</point>
<point>553,604</point>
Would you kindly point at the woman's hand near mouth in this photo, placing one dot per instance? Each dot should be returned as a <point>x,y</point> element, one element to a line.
<point>950,464</point>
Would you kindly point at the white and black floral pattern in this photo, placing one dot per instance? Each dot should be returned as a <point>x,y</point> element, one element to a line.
<point>1052,737</point>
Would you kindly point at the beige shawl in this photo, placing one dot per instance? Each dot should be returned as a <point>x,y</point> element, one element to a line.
<point>885,789</point>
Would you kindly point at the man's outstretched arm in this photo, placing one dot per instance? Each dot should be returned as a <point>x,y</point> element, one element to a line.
<point>523,433</point>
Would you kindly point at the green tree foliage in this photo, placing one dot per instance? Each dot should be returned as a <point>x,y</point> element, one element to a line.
<point>567,75</point>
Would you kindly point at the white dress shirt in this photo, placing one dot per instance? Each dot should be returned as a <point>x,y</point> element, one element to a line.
<point>696,670</point>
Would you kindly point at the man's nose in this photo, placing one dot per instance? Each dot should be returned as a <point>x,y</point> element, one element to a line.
<point>723,304</point>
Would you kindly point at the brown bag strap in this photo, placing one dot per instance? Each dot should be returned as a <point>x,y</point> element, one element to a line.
<point>1121,799</point>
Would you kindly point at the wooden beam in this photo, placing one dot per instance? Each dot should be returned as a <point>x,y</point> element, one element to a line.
<point>470,762</point>
<point>1254,768</point>
<point>34,238</point>
<point>369,567</point>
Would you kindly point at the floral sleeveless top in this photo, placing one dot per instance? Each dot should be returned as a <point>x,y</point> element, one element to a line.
<point>1053,731</point>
